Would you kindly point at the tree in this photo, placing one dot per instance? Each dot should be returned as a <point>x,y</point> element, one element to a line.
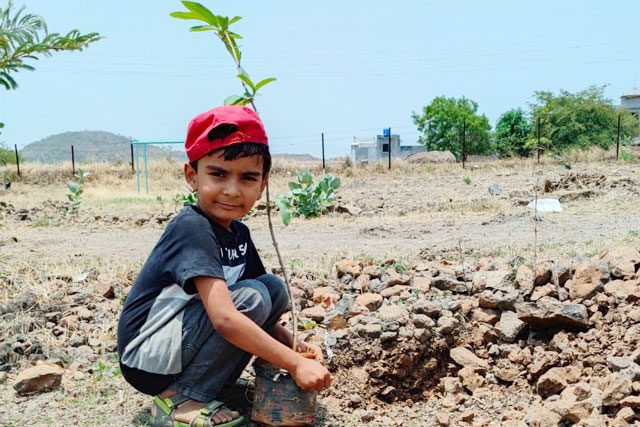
<point>581,119</point>
<point>442,123</point>
<point>512,131</point>
<point>25,37</point>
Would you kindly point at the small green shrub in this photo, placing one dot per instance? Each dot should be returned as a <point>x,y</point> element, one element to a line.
<point>306,198</point>
<point>626,157</point>
<point>75,193</point>
<point>466,180</point>
<point>180,200</point>
<point>7,155</point>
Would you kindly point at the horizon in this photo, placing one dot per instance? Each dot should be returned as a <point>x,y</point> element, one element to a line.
<point>341,70</point>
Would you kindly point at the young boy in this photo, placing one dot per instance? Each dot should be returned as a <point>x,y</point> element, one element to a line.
<point>203,303</point>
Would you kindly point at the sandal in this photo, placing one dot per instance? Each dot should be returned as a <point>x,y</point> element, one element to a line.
<point>163,411</point>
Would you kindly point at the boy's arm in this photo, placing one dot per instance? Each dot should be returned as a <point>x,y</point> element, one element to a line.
<point>242,332</point>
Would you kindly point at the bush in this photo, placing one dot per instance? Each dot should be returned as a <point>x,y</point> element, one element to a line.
<point>7,155</point>
<point>512,130</point>
<point>306,198</point>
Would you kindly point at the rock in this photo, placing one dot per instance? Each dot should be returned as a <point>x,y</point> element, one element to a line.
<point>3,377</point>
<point>369,300</point>
<point>494,190</point>
<point>624,416</point>
<point>543,362</point>
<point>618,363</point>
<point>631,402</point>
<point>315,313</point>
<point>69,322</point>
<point>539,416</point>
<point>320,293</point>
<point>486,315</point>
<point>509,326</point>
<point>470,378</point>
<point>371,330</point>
<point>618,388</point>
<point>500,299</point>
<point>430,308</point>
<point>549,313</point>
<point>507,374</point>
<point>589,279</point>
<point>84,313</point>
<point>422,283</point>
<point>490,279</point>
<point>524,279</point>
<point>466,358</point>
<point>543,274</point>
<point>547,290</point>
<point>467,416</point>
<point>394,291</point>
<point>572,410</point>
<point>37,379</point>
<point>559,342</point>
<point>77,339</point>
<point>624,261</point>
<point>622,289</point>
<point>347,266</point>
<point>395,313</point>
<point>431,157</point>
<point>442,419</point>
<point>450,283</point>
<point>105,290</point>
<point>552,382</point>
<point>392,278</point>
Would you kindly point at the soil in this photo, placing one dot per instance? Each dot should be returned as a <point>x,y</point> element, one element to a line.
<point>399,219</point>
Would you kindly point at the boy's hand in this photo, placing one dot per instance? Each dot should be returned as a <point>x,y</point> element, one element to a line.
<point>311,375</point>
<point>313,349</point>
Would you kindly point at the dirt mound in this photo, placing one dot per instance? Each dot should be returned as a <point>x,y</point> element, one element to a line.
<point>432,157</point>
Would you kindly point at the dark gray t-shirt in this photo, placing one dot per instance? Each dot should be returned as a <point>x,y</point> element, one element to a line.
<point>150,326</point>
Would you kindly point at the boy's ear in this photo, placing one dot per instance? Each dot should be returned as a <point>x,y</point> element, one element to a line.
<point>190,175</point>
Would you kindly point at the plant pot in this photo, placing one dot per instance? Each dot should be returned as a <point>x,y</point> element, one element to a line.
<point>278,400</point>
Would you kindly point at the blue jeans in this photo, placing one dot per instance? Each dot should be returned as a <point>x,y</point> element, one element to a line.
<point>209,362</point>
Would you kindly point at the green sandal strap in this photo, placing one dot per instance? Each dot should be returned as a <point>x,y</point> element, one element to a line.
<point>203,419</point>
<point>169,404</point>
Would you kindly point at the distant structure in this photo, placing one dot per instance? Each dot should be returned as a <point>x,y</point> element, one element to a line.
<point>376,149</point>
<point>631,102</point>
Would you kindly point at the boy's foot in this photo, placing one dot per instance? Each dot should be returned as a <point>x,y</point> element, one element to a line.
<point>180,411</point>
<point>189,410</point>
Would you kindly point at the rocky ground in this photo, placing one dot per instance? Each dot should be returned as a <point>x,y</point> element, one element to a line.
<point>429,328</point>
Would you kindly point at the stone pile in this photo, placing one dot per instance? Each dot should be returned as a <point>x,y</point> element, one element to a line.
<point>567,335</point>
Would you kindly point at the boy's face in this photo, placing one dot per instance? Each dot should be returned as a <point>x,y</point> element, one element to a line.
<point>227,190</point>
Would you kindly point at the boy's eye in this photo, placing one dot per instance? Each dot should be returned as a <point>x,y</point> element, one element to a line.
<point>249,178</point>
<point>217,174</point>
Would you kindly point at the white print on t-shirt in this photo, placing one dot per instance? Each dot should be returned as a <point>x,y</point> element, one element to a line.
<point>233,253</point>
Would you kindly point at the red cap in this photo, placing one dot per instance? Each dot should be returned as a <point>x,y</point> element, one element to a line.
<point>221,127</point>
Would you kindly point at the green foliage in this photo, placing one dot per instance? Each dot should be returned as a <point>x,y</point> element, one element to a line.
<point>185,199</point>
<point>220,26</point>
<point>466,180</point>
<point>108,368</point>
<point>25,37</point>
<point>306,198</point>
<point>75,193</point>
<point>7,155</point>
<point>512,131</point>
<point>626,157</point>
<point>579,120</point>
<point>441,124</point>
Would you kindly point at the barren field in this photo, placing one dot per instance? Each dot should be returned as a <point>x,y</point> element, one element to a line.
<point>427,289</point>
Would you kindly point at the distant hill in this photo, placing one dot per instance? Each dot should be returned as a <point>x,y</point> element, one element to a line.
<point>92,146</point>
<point>295,157</point>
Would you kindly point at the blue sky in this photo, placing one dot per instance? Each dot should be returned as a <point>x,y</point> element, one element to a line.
<point>346,68</point>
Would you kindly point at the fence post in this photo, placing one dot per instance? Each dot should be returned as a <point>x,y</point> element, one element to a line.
<point>538,140</point>
<point>464,143</point>
<point>323,165</point>
<point>133,169</point>
<point>73,161</point>
<point>618,139</point>
<point>389,148</point>
<point>15,147</point>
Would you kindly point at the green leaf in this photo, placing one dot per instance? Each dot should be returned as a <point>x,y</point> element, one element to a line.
<point>73,187</point>
<point>263,83</point>
<point>235,19</point>
<point>202,12</point>
<point>305,177</point>
<point>245,78</point>
<point>185,15</point>
<point>233,100</point>
<point>294,185</point>
<point>203,28</point>
<point>285,213</point>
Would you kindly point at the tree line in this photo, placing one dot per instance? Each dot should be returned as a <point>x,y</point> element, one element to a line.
<point>567,120</point>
